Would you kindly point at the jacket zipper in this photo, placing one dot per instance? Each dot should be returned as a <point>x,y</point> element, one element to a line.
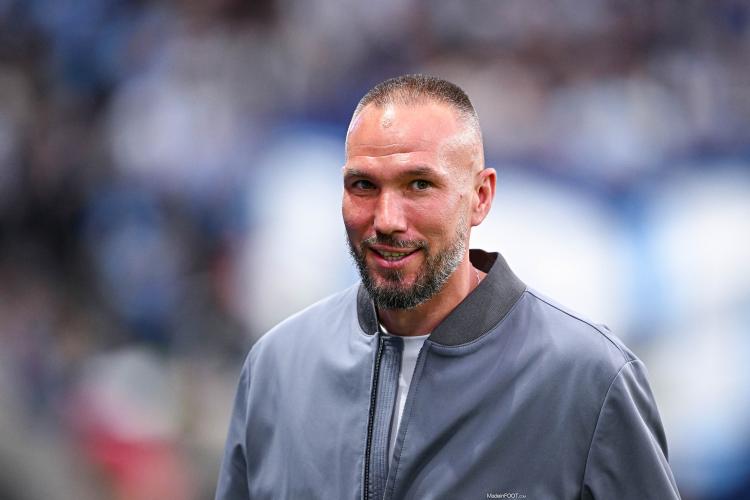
<point>371,419</point>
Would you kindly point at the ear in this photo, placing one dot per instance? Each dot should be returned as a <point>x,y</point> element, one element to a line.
<point>484,192</point>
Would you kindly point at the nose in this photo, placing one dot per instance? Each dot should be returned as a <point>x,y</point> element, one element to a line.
<point>389,214</point>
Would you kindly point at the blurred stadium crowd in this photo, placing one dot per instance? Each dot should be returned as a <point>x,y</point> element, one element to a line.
<point>169,189</point>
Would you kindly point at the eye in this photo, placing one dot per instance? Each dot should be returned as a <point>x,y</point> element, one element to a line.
<point>363,185</point>
<point>421,184</point>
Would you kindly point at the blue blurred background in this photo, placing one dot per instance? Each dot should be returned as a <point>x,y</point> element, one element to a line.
<point>169,189</point>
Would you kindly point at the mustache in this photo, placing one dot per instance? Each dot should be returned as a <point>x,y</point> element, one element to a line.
<point>384,239</point>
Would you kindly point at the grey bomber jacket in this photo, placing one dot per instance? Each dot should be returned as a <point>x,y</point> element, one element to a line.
<point>512,396</point>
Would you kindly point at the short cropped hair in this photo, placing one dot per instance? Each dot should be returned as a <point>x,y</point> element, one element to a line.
<point>416,89</point>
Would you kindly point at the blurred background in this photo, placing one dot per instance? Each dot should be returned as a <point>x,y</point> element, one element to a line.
<point>170,188</point>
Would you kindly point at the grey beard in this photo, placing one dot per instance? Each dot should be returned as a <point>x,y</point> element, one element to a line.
<point>435,272</point>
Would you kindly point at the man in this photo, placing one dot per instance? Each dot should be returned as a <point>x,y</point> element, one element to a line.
<point>441,375</point>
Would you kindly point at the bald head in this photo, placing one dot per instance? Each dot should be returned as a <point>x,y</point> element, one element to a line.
<point>421,90</point>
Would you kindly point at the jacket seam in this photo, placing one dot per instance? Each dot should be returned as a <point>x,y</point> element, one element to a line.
<point>628,357</point>
<point>599,419</point>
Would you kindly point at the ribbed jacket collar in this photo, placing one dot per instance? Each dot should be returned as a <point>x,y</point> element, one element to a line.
<point>481,310</point>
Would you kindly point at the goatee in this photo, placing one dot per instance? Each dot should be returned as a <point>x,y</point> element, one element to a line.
<point>391,292</point>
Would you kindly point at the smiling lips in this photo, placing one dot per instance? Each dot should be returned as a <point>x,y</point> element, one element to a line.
<point>392,256</point>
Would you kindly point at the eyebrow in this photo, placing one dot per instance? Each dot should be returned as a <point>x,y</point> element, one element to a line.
<point>353,172</point>
<point>418,171</point>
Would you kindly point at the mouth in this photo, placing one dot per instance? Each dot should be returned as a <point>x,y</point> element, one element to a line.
<point>393,257</point>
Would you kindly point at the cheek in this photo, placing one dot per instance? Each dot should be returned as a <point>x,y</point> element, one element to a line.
<point>436,220</point>
<point>355,215</point>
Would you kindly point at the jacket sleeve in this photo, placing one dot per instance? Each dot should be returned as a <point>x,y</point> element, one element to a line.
<point>232,483</point>
<point>627,457</point>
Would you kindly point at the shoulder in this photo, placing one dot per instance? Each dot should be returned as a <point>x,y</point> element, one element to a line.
<point>572,342</point>
<point>308,325</point>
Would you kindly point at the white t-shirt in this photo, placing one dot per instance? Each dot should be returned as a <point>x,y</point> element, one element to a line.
<point>412,346</point>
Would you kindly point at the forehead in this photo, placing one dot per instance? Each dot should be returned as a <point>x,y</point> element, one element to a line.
<point>422,128</point>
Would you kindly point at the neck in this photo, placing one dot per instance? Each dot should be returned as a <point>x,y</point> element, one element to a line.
<point>425,317</point>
